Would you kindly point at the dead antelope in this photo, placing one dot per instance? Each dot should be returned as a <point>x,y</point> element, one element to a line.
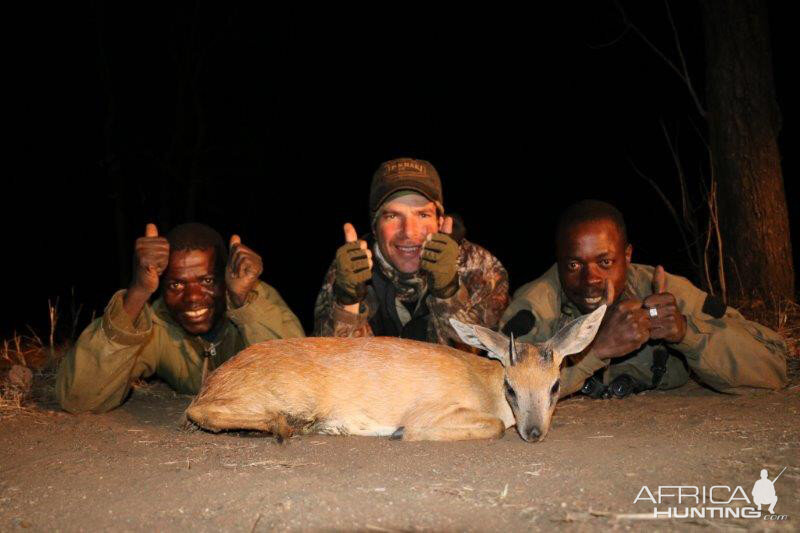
<point>384,386</point>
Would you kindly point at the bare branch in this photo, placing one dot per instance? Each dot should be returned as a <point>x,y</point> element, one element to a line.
<point>613,41</point>
<point>647,41</point>
<point>669,205</point>
<point>687,218</point>
<point>713,216</point>
<point>686,77</point>
<point>682,74</point>
<point>706,262</point>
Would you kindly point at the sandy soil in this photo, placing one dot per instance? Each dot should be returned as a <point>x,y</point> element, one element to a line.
<point>135,469</point>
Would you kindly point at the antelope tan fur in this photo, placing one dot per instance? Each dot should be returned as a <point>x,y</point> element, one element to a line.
<point>386,386</point>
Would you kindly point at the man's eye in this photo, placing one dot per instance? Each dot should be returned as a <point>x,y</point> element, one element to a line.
<point>208,281</point>
<point>605,263</point>
<point>573,266</point>
<point>389,216</point>
<point>175,286</point>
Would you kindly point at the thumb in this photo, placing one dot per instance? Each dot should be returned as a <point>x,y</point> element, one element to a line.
<point>151,230</point>
<point>350,234</point>
<point>608,294</point>
<point>235,240</point>
<point>659,280</point>
<point>447,225</point>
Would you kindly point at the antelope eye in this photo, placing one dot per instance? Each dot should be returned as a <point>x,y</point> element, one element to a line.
<point>555,388</point>
<point>510,392</point>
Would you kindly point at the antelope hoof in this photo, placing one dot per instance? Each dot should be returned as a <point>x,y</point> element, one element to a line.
<point>398,433</point>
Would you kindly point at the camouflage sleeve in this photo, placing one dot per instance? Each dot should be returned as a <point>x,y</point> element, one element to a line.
<point>331,320</point>
<point>481,297</point>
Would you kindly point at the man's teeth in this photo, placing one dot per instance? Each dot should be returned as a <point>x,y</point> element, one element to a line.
<point>196,313</point>
<point>408,249</point>
<point>595,300</point>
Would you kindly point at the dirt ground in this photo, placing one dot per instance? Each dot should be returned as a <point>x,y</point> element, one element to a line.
<point>135,469</point>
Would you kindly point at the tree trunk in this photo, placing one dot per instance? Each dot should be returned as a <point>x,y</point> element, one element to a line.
<point>744,122</point>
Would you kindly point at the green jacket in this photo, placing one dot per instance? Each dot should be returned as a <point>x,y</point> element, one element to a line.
<point>723,352</point>
<point>96,374</point>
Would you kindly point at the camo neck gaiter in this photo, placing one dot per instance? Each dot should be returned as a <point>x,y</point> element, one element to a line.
<point>408,287</point>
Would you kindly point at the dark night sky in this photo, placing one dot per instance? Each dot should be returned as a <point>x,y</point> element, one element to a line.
<point>521,113</point>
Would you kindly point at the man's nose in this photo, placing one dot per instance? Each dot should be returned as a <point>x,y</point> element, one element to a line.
<point>593,276</point>
<point>194,292</point>
<point>412,228</point>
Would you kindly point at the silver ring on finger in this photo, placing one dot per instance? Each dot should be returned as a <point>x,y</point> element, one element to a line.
<point>653,312</point>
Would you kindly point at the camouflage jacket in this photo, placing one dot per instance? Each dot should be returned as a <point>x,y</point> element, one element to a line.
<point>721,347</point>
<point>114,350</point>
<point>481,298</point>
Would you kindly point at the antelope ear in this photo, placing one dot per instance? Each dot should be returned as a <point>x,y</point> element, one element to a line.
<point>496,344</point>
<point>577,335</point>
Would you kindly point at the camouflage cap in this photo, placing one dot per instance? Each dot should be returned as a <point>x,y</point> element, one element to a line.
<point>404,174</point>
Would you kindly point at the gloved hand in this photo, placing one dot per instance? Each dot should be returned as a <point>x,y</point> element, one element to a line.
<point>353,268</point>
<point>440,260</point>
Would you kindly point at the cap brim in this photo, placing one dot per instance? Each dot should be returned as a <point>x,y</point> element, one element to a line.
<point>406,186</point>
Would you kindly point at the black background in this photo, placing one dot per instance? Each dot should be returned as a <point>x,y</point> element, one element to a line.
<point>522,113</point>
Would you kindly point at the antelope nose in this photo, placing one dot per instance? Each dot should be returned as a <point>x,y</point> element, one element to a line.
<point>534,434</point>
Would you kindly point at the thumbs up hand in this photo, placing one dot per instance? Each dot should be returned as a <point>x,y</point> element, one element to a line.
<point>353,268</point>
<point>150,259</point>
<point>659,280</point>
<point>666,321</point>
<point>242,271</point>
<point>440,260</point>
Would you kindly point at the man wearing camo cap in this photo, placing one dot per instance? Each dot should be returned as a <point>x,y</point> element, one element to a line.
<point>412,273</point>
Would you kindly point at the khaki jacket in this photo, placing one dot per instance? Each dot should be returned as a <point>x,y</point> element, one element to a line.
<point>723,352</point>
<point>96,374</point>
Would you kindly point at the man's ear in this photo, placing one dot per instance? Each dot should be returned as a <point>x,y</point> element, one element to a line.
<point>628,253</point>
<point>496,344</point>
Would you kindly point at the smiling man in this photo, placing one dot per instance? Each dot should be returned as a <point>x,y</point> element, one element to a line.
<point>412,273</point>
<point>658,328</point>
<point>212,305</point>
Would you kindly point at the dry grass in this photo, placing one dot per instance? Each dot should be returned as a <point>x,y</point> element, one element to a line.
<point>11,402</point>
<point>782,316</point>
<point>19,351</point>
<point>28,351</point>
<point>41,358</point>
<point>23,350</point>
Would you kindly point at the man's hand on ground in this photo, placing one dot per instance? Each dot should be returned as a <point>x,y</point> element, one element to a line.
<point>353,269</point>
<point>440,260</point>
<point>242,271</point>
<point>668,323</point>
